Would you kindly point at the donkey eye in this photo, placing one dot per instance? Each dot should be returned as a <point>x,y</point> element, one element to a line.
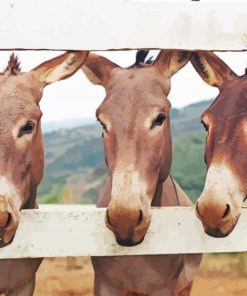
<point>159,120</point>
<point>27,129</point>
<point>103,125</point>
<point>205,125</point>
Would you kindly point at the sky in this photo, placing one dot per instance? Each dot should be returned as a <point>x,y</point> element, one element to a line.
<point>76,97</point>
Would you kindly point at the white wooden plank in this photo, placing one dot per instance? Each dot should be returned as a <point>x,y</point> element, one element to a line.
<point>58,231</point>
<point>121,24</point>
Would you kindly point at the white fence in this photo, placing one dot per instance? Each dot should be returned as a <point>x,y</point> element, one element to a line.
<point>122,24</point>
<point>74,230</point>
<point>100,25</point>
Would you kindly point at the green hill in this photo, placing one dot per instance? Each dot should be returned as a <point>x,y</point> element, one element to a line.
<point>188,166</point>
<point>75,159</point>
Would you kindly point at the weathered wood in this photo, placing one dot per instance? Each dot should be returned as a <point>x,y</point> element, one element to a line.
<point>121,24</point>
<point>74,230</point>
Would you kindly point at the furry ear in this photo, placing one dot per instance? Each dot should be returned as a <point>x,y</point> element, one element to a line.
<point>98,69</point>
<point>169,61</point>
<point>60,67</point>
<point>211,68</point>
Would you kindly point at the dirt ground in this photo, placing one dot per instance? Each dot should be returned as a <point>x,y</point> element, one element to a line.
<point>219,275</point>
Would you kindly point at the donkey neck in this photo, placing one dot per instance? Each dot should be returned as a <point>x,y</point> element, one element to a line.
<point>31,202</point>
<point>166,194</point>
<point>157,200</point>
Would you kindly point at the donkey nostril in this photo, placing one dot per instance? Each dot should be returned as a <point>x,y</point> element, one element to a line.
<point>9,219</point>
<point>108,218</point>
<point>4,219</point>
<point>140,218</point>
<point>227,211</point>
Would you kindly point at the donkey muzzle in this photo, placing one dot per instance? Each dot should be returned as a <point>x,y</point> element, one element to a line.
<point>218,217</point>
<point>9,220</point>
<point>129,224</point>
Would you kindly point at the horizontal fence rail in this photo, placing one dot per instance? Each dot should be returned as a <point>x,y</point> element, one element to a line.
<point>76,230</point>
<point>121,24</point>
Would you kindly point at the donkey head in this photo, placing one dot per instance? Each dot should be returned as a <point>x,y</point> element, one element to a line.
<point>135,116</point>
<point>225,122</point>
<point>21,145</point>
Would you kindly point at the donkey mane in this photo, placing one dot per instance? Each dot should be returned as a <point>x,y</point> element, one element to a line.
<point>140,59</point>
<point>13,66</point>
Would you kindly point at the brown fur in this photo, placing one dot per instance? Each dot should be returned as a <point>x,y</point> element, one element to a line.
<point>186,291</point>
<point>225,120</point>
<point>13,66</point>
<point>138,155</point>
<point>22,157</point>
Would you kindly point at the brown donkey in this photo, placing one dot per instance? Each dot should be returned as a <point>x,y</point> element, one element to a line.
<point>225,121</point>
<point>138,153</point>
<point>22,156</point>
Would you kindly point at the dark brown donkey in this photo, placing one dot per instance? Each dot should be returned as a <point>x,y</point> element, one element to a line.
<point>138,152</point>
<point>22,156</point>
<point>226,124</point>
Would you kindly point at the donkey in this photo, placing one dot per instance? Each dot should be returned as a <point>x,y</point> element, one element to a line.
<point>22,156</point>
<point>138,152</point>
<point>225,121</point>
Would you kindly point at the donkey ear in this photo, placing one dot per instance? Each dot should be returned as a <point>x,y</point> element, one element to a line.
<point>211,68</point>
<point>98,69</point>
<point>60,67</point>
<point>170,61</point>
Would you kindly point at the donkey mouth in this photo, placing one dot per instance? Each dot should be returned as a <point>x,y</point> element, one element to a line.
<point>128,242</point>
<point>216,232</point>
